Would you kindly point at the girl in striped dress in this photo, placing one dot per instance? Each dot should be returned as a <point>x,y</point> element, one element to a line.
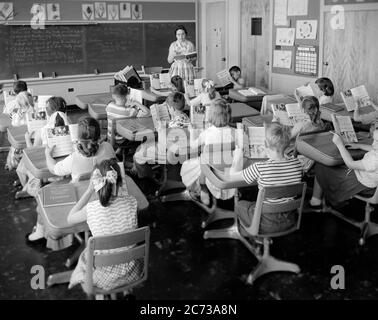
<point>115,211</point>
<point>181,67</point>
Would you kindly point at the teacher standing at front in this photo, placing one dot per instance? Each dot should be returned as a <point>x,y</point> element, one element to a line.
<point>183,68</point>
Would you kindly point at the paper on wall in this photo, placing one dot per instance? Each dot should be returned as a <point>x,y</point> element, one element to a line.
<point>285,36</point>
<point>280,13</point>
<point>307,29</point>
<point>282,59</point>
<point>297,8</point>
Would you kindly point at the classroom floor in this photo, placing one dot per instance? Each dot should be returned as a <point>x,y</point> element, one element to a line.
<point>185,266</point>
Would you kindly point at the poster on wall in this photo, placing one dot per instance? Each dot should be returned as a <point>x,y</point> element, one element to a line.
<point>280,13</point>
<point>307,29</point>
<point>282,59</point>
<point>113,12</point>
<point>53,11</point>
<point>6,11</point>
<point>87,11</point>
<point>285,36</point>
<point>297,8</point>
<point>125,10</point>
<point>100,10</point>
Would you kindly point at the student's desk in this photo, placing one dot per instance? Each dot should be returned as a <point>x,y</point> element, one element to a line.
<point>97,111</point>
<point>326,113</point>
<point>16,137</point>
<point>35,162</point>
<point>242,110</point>
<point>136,129</point>
<point>161,92</point>
<point>319,147</point>
<point>56,226</point>
<point>257,121</point>
<point>254,101</point>
<point>83,101</point>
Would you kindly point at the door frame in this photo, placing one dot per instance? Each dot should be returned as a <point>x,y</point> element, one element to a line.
<point>324,9</point>
<point>203,28</point>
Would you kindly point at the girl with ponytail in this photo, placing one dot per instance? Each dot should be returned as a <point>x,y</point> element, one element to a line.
<point>208,94</point>
<point>88,152</point>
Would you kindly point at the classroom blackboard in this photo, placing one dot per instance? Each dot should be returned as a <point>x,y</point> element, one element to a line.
<point>79,49</point>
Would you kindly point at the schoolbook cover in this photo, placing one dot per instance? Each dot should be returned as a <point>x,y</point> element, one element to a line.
<point>59,195</point>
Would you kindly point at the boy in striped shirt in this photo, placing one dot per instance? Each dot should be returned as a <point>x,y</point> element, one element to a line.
<point>278,170</point>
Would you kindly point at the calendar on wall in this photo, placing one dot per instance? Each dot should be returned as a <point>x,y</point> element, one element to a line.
<point>306,60</point>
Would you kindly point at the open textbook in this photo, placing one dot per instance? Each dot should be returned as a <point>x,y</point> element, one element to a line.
<point>289,114</point>
<point>126,73</point>
<point>41,102</point>
<point>160,81</point>
<point>36,120</point>
<point>224,77</point>
<point>310,89</point>
<point>198,116</point>
<point>252,140</point>
<point>251,92</point>
<point>160,113</point>
<point>62,138</point>
<point>344,127</point>
<point>193,87</point>
<point>190,55</point>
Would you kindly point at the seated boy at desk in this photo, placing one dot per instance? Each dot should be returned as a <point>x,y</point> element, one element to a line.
<point>278,170</point>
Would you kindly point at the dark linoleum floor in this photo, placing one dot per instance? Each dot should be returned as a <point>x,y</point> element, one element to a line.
<point>185,266</point>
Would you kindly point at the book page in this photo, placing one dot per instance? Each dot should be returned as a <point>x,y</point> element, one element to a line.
<point>74,132</point>
<point>361,96</point>
<point>256,91</point>
<point>42,102</point>
<point>280,112</point>
<point>345,126</point>
<point>197,86</point>
<point>246,93</point>
<point>256,141</point>
<point>348,100</point>
<point>59,137</point>
<point>224,77</point>
<point>165,80</point>
<point>189,88</point>
<point>295,112</point>
<point>36,120</point>
<point>304,91</point>
<point>198,116</point>
<point>155,81</point>
<point>160,113</point>
<point>136,95</point>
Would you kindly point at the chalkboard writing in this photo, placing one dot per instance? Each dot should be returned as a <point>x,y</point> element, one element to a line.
<point>70,50</point>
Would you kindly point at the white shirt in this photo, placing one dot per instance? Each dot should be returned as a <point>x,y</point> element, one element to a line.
<point>369,176</point>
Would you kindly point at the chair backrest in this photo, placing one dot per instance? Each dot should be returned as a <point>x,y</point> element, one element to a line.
<point>295,193</point>
<point>151,70</point>
<point>138,242</point>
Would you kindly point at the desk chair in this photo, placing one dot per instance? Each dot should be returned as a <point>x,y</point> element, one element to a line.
<point>367,227</point>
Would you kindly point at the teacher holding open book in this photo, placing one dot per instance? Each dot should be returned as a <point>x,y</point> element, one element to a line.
<point>181,54</point>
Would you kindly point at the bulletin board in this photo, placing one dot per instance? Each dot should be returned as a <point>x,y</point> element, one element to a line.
<point>343,2</point>
<point>313,45</point>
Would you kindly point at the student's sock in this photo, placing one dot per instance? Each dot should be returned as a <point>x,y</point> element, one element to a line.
<point>37,233</point>
<point>315,202</point>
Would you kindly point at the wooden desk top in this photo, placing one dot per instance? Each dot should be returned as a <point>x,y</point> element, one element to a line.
<point>35,161</point>
<point>16,136</point>
<point>135,129</point>
<point>84,100</point>
<point>55,218</point>
<point>97,111</point>
<point>242,110</point>
<point>235,95</point>
<point>320,148</point>
<point>257,121</point>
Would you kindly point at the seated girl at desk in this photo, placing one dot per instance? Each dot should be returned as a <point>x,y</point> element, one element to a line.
<point>123,106</point>
<point>237,81</point>
<point>339,184</point>
<point>87,153</point>
<point>114,212</point>
<point>207,95</point>
<point>278,170</point>
<point>18,87</point>
<point>56,112</point>
<point>323,89</point>
<point>218,134</point>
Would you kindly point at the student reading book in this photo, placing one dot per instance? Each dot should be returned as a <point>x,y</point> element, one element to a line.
<point>61,140</point>
<point>126,74</point>
<point>160,81</point>
<point>252,141</point>
<point>178,84</point>
<point>9,97</point>
<point>359,101</point>
<point>339,184</point>
<point>88,152</point>
<point>36,120</point>
<point>289,114</point>
<point>322,89</point>
<point>344,127</point>
<point>231,79</point>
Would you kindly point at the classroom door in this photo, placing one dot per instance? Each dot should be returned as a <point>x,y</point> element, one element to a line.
<point>215,38</point>
<point>255,49</point>
<point>350,54</point>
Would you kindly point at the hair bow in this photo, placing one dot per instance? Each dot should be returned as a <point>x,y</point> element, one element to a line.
<point>209,84</point>
<point>99,181</point>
